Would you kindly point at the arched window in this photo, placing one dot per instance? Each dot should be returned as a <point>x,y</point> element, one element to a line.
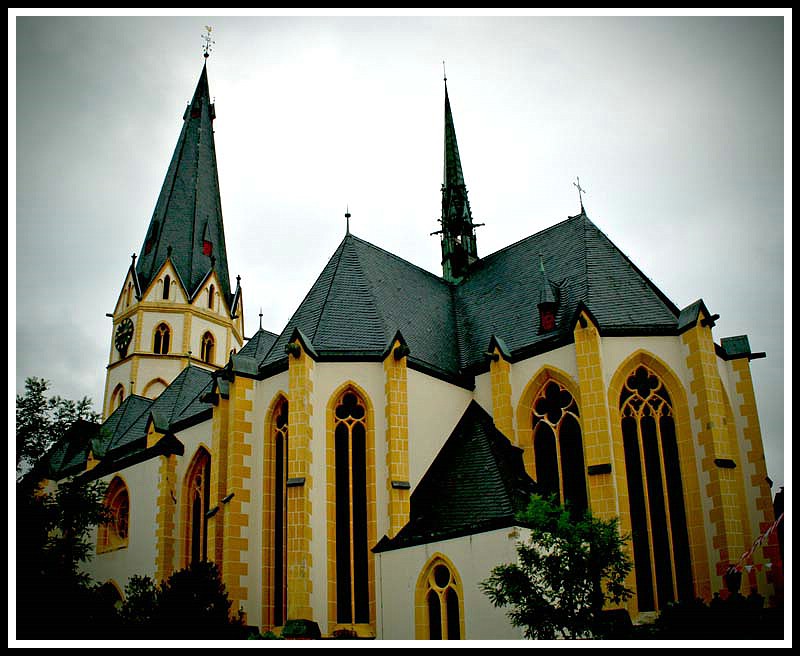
<point>558,447</point>
<point>276,454</point>
<point>350,482</point>
<point>161,339</point>
<point>113,534</point>
<point>197,488</point>
<point>439,602</point>
<point>211,297</point>
<point>154,388</point>
<point>167,283</point>
<point>117,397</point>
<point>207,348</point>
<point>658,516</point>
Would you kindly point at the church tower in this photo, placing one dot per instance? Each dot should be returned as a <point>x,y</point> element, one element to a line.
<point>176,306</point>
<point>459,247</point>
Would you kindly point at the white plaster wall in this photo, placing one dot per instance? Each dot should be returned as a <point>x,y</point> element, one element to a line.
<point>151,368</point>
<point>669,350</point>
<point>473,557</point>
<point>139,557</point>
<point>199,327</point>
<point>434,408</point>
<point>151,319</point>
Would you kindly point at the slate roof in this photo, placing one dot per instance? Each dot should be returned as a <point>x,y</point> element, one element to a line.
<point>123,434</point>
<point>188,211</point>
<point>476,483</point>
<point>364,295</point>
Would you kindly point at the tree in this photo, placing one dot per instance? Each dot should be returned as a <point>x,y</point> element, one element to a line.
<point>192,604</point>
<point>567,570</point>
<point>53,527</point>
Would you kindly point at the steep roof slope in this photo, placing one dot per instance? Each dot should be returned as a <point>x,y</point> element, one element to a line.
<point>476,483</point>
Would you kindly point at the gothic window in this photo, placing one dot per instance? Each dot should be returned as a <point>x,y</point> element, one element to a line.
<point>117,397</point>
<point>558,447</point>
<point>442,606</point>
<point>351,542</point>
<point>207,348</point>
<point>279,432</point>
<point>113,534</point>
<point>161,339</point>
<point>658,515</point>
<point>197,491</point>
<point>211,297</point>
<point>167,283</point>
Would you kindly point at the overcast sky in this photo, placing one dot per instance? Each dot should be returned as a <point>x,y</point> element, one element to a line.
<point>674,125</point>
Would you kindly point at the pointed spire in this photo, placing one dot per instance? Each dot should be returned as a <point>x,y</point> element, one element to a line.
<point>547,304</point>
<point>188,213</point>
<point>459,247</point>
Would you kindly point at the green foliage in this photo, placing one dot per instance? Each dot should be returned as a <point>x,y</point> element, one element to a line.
<point>53,527</point>
<point>42,421</point>
<point>192,604</point>
<point>570,567</point>
<point>294,629</point>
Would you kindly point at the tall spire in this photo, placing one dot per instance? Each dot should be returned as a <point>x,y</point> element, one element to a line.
<point>186,226</point>
<point>459,248</point>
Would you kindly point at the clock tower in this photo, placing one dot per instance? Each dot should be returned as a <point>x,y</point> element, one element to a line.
<point>176,307</point>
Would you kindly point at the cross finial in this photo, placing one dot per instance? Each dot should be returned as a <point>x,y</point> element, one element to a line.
<point>581,191</point>
<point>347,218</point>
<point>208,41</point>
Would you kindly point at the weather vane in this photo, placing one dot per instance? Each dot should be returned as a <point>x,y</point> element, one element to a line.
<point>581,191</point>
<point>208,41</point>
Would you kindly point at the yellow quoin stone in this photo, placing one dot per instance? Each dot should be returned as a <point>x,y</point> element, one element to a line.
<point>396,376</point>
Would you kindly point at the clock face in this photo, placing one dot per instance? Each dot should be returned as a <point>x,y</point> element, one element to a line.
<point>123,335</point>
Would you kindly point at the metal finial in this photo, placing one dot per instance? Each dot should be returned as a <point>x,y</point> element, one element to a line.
<point>260,314</point>
<point>444,70</point>
<point>208,42</point>
<point>347,218</point>
<point>581,191</point>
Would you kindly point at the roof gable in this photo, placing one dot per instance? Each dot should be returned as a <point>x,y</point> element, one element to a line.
<point>477,482</point>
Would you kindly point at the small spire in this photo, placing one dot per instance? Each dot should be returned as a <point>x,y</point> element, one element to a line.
<point>260,315</point>
<point>347,218</point>
<point>581,191</point>
<point>208,41</point>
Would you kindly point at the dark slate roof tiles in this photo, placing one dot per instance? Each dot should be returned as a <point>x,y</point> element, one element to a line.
<point>477,482</point>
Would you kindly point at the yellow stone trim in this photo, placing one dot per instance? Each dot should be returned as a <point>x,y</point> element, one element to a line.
<point>267,524</point>
<point>235,518</point>
<point>502,410</point>
<point>695,517</point>
<point>219,478</point>
<point>166,505</point>
<point>298,499</point>
<point>155,381</point>
<point>153,436</point>
<point>714,442</point>
<point>422,629</point>
<point>330,485</point>
<point>524,430</point>
<point>396,386</point>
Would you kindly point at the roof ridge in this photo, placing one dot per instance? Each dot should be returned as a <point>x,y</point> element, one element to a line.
<point>400,259</point>
<point>330,286</point>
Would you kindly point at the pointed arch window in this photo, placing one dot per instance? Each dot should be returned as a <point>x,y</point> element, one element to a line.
<point>207,348</point>
<point>275,489</point>
<point>161,339</point>
<point>211,297</point>
<point>440,602</point>
<point>117,397</point>
<point>558,446</point>
<point>351,537</point>
<point>197,488</point>
<point>655,490</point>
<point>113,534</point>
<point>167,283</point>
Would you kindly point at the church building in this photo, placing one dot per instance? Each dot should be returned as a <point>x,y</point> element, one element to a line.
<point>363,467</point>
